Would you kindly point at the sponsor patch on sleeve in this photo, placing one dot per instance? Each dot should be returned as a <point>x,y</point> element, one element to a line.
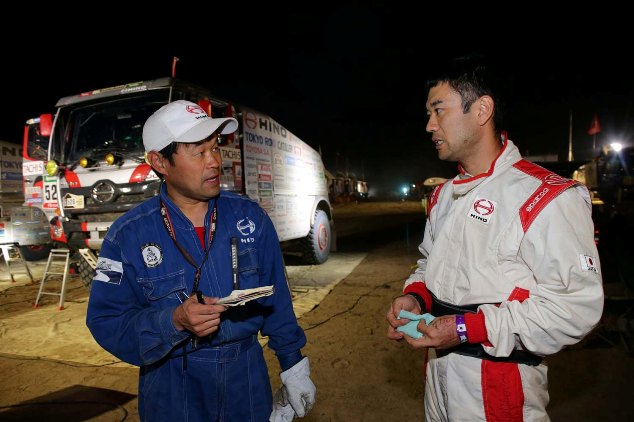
<point>588,263</point>
<point>108,271</point>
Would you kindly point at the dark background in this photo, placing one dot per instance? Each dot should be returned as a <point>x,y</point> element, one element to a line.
<point>347,77</point>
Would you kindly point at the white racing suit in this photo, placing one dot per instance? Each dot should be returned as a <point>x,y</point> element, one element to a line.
<point>517,244</point>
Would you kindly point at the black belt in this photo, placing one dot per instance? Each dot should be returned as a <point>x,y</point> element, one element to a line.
<point>440,308</point>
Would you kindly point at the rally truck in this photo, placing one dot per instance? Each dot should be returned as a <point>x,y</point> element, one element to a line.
<point>93,168</point>
<point>21,226</point>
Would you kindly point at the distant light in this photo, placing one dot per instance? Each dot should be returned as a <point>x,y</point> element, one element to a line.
<point>616,146</point>
<point>405,190</point>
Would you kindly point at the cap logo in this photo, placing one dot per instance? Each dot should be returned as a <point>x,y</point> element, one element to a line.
<point>195,109</point>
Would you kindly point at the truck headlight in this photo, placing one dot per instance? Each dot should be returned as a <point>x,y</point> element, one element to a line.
<point>86,162</point>
<point>52,168</point>
<point>111,158</point>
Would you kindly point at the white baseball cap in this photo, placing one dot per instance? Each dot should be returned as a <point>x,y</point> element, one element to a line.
<point>182,121</point>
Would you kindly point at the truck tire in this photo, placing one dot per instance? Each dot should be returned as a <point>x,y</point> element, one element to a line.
<point>318,241</point>
<point>35,252</point>
<point>86,272</point>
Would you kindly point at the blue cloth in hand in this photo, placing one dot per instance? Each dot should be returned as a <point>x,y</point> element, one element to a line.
<point>410,327</point>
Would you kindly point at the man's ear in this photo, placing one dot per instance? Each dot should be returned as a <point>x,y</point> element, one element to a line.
<point>156,161</point>
<point>485,109</point>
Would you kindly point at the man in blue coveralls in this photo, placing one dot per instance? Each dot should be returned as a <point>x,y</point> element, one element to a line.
<point>163,267</point>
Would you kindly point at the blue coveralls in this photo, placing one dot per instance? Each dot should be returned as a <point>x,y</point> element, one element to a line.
<point>141,278</point>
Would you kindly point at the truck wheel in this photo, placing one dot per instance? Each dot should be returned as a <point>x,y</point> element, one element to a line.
<point>35,252</point>
<point>86,272</point>
<point>319,240</point>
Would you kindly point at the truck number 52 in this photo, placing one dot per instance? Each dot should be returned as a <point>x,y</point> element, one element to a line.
<point>50,192</point>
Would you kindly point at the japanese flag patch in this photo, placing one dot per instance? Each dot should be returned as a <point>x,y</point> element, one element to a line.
<point>588,263</point>
<point>108,271</point>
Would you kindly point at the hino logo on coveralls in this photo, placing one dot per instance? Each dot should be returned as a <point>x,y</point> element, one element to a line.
<point>246,227</point>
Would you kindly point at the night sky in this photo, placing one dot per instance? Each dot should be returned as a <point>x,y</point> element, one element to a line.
<point>346,77</point>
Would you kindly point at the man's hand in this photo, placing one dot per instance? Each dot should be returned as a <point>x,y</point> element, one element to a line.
<point>282,409</point>
<point>298,388</point>
<point>197,318</point>
<point>406,303</point>
<point>440,334</point>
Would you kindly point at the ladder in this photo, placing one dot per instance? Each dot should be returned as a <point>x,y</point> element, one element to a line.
<point>57,265</point>
<point>11,254</point>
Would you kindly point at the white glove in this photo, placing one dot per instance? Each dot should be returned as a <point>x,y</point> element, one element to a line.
<point>300,390</point>
<point>282,409</point>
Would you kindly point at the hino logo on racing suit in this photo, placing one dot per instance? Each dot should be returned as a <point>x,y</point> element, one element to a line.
<point>482,210</point>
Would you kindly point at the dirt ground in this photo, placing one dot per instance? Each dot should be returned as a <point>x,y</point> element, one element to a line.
<point>359,374</point>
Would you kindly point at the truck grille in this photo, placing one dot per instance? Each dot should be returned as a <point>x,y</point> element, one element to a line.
<point>105,196</point>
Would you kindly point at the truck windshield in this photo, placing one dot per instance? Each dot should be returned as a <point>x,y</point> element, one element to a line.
<point>111,126</point>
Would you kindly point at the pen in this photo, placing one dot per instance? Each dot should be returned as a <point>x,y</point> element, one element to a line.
<point>201,299</point>
<point>234,262</point>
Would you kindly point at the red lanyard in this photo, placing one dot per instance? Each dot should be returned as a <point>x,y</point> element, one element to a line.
<point>212,231</point>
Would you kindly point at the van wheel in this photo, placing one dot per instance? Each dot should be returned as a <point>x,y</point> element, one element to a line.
<point>317,243</point>
<point>35,252</point>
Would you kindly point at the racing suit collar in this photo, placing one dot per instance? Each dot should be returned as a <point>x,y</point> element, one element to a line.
<point>464,182</point>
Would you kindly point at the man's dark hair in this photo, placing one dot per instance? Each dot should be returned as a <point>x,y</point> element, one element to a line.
<point>169,151</point>
<point>473,76</point>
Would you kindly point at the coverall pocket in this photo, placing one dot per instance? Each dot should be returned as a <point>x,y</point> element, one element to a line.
<point>248,268</point>
<point>164,287</point>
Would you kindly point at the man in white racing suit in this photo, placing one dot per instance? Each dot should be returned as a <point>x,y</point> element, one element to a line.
<point>510,270</point>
